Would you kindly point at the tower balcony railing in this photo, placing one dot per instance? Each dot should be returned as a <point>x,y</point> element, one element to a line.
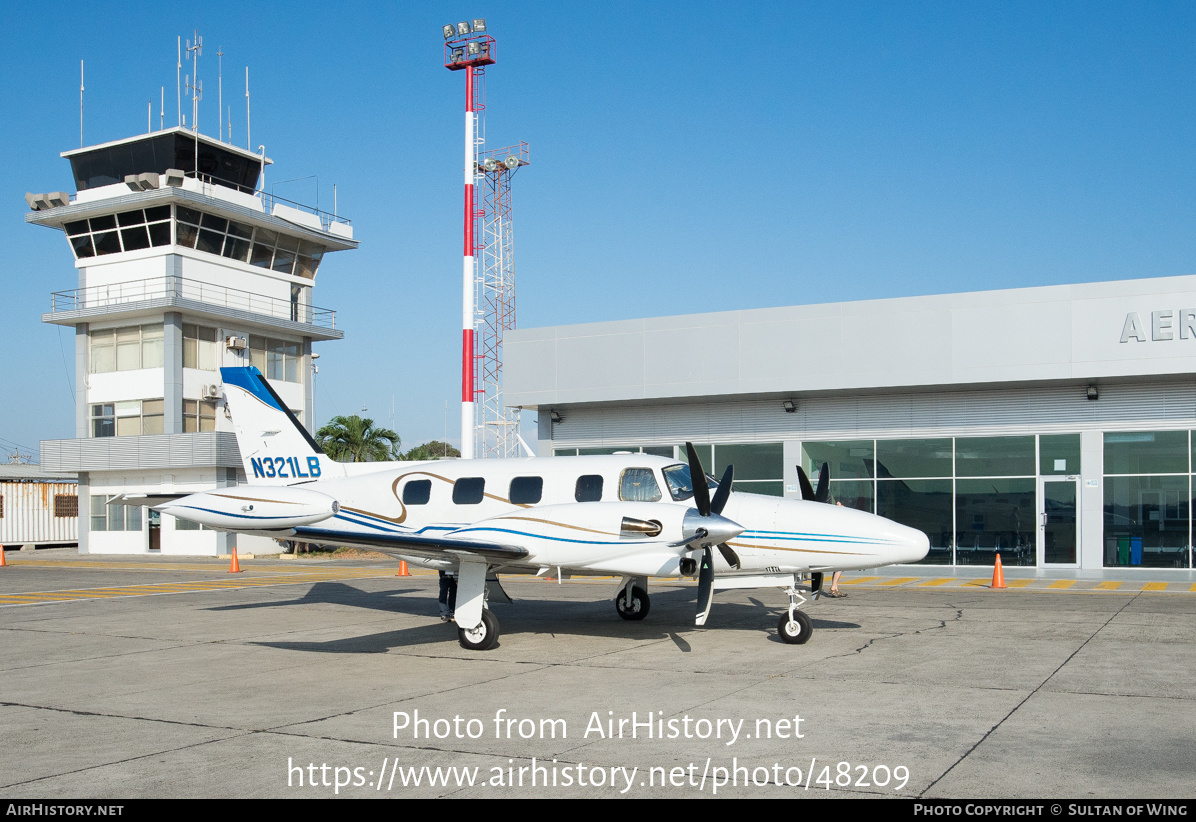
<point>173,286</point>
<point>270,199</point>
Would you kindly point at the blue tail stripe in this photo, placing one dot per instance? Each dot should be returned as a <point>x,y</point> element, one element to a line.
<point>250,379</point>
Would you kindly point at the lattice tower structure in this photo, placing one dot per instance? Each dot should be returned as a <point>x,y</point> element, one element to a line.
<point>497,425</point>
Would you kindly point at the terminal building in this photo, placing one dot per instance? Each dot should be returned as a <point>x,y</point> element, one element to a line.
<point>184,266</point>
<point>1053,425</point>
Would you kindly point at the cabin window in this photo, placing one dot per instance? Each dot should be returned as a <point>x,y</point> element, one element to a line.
<point>680,484</point>
<point>469,490</point>
<point>638,485</point>
<point>526,490</point>
<point>417,492</point>
<point>589,488</point>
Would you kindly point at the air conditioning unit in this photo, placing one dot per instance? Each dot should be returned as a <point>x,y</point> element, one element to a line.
<point>237,343</point>
<point>211,391</point>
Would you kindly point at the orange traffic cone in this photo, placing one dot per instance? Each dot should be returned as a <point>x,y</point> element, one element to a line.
<point>403,572</point>
<point>998,576</point>
<point>3,562</point>
<point>234,567</point>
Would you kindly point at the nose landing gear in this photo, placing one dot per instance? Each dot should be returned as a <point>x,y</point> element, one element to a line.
<point>795,626</point>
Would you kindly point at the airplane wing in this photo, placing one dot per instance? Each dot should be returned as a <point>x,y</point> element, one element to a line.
<point>412,544</point>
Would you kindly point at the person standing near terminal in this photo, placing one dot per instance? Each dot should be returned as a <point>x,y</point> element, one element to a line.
<point>448,595</point>
<point>835,592</point>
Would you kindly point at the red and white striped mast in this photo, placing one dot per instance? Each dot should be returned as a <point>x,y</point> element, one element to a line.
<point>468,47</point>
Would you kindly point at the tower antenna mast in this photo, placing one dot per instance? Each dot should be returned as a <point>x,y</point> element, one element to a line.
<point>219,91</point>
<point>467,47</point>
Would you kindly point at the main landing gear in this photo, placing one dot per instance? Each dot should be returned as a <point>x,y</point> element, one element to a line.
<point>633,603</point>
<point>483,637</point>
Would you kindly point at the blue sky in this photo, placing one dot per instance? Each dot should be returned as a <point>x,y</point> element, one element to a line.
<point>684,158</point>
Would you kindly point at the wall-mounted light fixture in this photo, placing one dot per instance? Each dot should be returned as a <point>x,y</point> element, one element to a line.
<point>1092,393</point>
<point>789,406</point>
<point>554,416</point>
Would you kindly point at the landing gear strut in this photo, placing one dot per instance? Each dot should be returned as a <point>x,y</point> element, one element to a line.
<point>795,626</point>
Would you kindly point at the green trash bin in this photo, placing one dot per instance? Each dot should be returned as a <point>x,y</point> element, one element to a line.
<point>1123,550</point>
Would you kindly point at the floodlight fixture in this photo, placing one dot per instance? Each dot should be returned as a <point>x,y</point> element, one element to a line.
<point>1092,393</point>
<point>463,29</point>
<point>458,55</point>
<point>479,25</point>
<point>490,164</point>
<point>474,49</point>
<point>554,416</point>
<point>789,406</point>
<point>511,162</point>
<point>449,32</point>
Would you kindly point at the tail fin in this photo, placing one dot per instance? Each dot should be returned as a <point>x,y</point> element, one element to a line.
<point>275,448</point>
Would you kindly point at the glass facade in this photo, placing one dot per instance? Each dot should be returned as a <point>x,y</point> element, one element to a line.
<point>973,497</point>
<point>1147,495</point>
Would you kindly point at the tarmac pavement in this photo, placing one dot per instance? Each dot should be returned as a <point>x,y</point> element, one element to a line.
<point>126,677</point>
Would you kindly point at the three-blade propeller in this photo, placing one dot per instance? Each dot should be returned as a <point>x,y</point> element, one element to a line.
<point>709,509</point>
<point>823,493</point>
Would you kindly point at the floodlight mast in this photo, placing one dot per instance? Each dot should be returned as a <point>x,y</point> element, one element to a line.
<point>467,48</point>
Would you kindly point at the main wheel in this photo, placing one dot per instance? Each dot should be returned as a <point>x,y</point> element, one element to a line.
<point>638,609</point>
<point>483,637</point>
<point>796,631</point>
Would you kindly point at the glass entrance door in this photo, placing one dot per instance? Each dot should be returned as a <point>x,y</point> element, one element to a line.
<point>1058,521</point>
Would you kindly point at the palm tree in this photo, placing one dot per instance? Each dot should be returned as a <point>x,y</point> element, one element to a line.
<point>354,439</point>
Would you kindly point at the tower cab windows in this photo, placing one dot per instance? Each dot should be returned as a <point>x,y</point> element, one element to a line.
<point>114,233</point>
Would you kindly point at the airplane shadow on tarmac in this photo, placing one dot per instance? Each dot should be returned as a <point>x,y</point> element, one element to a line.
<point>671,618</point>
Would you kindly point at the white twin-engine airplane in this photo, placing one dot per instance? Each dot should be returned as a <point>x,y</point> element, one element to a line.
<point>630,515</point>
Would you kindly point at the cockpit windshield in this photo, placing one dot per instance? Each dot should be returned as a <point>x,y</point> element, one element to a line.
<point>681,486</point>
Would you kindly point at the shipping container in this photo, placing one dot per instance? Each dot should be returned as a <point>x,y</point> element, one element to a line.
<point>37,508</point>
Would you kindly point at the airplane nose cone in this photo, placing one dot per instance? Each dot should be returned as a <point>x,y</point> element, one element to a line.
<point>915,545</point>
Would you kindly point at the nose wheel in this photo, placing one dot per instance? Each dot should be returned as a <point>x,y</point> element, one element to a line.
<point>795,629</point>
<point>795,626</point>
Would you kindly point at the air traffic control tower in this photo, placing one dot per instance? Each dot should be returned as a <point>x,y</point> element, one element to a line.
<point>184,266</point>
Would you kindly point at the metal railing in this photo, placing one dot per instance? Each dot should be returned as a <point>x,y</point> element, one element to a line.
<point>157,288</point>
<point>269,199</point>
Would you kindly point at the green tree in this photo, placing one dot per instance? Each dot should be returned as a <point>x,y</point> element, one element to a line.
<point>354,439</point>
<point>433,450</point>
